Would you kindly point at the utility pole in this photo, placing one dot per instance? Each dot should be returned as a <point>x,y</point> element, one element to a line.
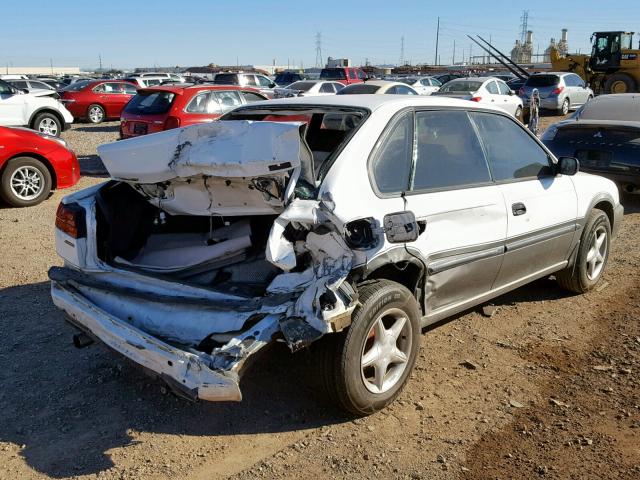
<point>437,39</point>
<point>319,50</point>
<point>100,60</point>
<point>402,50</point>
<point>51,64</point>
<point>470,54</point>
<point>453,57</point>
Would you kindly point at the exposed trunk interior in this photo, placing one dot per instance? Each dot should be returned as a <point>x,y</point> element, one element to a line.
<point>227,254</point>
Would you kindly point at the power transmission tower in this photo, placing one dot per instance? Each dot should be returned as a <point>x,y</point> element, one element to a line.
<point>401,50</point>
<point>524,26</point>
<point>319,63</point>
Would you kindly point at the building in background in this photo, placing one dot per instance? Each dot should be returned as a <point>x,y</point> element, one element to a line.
<point>338,62</point>
<point>42,71</point>
<point>522,52</point>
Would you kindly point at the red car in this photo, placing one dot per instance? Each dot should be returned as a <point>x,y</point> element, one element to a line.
<point>165,107</point>
<point>32,164</point>
<point>97,100</point>
<point>345,75</point>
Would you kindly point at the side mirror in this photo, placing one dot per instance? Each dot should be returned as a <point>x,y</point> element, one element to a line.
<point>510,92</point>
<point>401,227</point>
<point>24,90</point>
<point>272,85</point>
<point>568,166</point>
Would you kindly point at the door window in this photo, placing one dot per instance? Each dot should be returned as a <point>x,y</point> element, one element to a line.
<point>492,88</point>
<point>390,91</point>
<point>391,164</point>
<point>198,104</point>
<point>512,153</point>
<point>228,100</point>
<point>361,74</point>
<point>448,152</point>
<point>503,88</point>
<point>5,88</point>
<point>249,80</point>
<point>252,97</point>
<point>129,89</point>
<point>263,81</point>
<point>404,90</point>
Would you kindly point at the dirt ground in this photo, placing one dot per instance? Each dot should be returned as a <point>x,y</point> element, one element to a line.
<point>550,387</point>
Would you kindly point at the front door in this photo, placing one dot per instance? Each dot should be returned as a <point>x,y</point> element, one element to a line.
<point>460,211</point>
<point>541,207</point>
<point>13,107</point>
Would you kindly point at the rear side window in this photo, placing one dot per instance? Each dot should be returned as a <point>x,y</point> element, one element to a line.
<point>492,88</point>
<point>228,100</point>
<point>327,88</point>
<point>391,165</point>
<point>252,97</point>
<point>150,103</point>
<point>448,152</point>
<point>512,154</point>
<point>129,89</point>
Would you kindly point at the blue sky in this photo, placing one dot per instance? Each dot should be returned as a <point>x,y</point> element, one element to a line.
<point>197,32</point>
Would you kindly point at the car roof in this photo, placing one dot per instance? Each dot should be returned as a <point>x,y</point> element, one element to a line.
<point>373,102</point>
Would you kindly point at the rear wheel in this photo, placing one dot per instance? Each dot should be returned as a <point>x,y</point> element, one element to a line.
<point>364,369</point>
<point>592,256</point>
<point>25,182</point>
<point>95,114</point>
<point>519,114</point>
<point>564,109</point>
<point>620,83</point>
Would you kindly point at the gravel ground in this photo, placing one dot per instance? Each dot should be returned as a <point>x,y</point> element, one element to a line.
<point>553,390</point>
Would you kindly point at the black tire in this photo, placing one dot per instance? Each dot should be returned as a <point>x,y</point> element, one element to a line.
<point>576,278</point>
<point>47,123</point>
<point>620,83</point>
<point>564,109</point>
<point>99,115</point>
<point>26,164</point>
<point>340,355</point>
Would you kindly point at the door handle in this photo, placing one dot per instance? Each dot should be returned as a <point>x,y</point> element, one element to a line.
<point>518,209</point>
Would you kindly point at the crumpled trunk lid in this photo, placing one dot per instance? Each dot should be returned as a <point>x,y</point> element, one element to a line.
<point>222,168</point>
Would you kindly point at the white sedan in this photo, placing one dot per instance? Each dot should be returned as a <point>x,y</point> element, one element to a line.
<point>489,90</point>
<point>378,87</point>
<point>308,88</point>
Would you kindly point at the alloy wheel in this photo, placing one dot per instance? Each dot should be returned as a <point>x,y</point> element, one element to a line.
<point>48,126</point>
<point>597,253</point>
<point>27,183</point>
<point>386,351</point>
<point>96,114</point>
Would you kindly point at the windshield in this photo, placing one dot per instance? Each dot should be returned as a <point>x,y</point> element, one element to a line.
<point>461,86</point>
<point>150,103</point>
<point>542,81</point>
<point>305,86</point>
<point>332,74</point>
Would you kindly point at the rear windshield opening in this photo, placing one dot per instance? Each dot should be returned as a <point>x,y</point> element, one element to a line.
<point>328,130</point>
<point>461,86</point>
<point>359,88</point>
<point>542,81</point>
<point>333,74</point>
<point>150,103</point>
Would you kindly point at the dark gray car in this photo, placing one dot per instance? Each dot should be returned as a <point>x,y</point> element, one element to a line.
<point>559,91</point>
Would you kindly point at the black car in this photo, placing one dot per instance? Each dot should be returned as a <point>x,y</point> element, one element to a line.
<point>604,135</point>
<point>447,77</point>
<point>287,78</point>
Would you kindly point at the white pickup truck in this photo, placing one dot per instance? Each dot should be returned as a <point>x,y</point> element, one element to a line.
<point>341,223</point>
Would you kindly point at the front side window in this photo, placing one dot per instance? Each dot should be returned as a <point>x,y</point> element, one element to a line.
<point>361,75</point>
<point>448,152</point>
<point>404,90</point>
<point>391,164</point>
<point>249,80</point>
<point>5,88</point>
<point>263,81</point>
<point>327,88</point>
<point>511,152</point>
<point>503,88</point>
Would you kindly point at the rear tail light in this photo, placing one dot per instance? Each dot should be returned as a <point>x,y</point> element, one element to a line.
<point>476,99</point>
<point>171,122</point>
<point>557,91</point>
<point>70,218</point>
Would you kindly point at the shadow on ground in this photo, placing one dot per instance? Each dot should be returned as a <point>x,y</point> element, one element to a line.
<point>69,407</point>
<point>99,128</point>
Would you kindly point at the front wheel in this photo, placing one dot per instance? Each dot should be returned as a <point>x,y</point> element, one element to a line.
<point>519,114</point>
<point>25,182</point>
<point>364,369</point>
<point>48,124</point>
<point>592,256</point>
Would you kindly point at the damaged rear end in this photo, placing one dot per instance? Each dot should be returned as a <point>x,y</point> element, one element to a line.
<point>207,245</point>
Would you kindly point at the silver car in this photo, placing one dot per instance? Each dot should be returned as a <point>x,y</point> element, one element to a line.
<point>559,91</point>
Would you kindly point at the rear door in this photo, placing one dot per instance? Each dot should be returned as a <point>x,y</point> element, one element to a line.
<point>510,103</point>
<point>541,207</point>
<point>202,108</point>
<point>493,94</point>
<point>460,211</point>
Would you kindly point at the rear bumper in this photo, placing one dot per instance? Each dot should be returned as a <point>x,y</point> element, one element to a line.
<point>183,371</point>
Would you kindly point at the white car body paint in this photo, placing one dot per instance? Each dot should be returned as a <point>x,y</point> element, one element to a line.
<point>128,310</point>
